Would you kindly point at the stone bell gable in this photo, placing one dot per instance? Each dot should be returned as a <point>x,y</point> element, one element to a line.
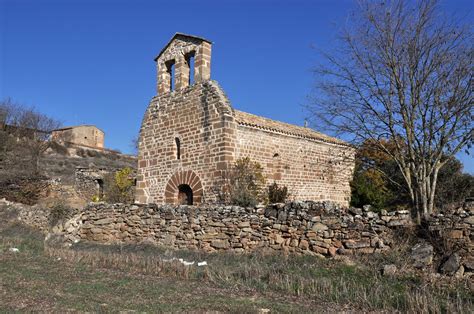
<point>190,135</point>
<point>179,55</point>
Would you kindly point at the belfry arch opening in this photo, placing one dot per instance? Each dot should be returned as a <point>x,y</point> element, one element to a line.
<point>185,195</point>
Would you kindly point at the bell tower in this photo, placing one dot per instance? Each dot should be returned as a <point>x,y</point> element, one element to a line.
<point>184,61</point>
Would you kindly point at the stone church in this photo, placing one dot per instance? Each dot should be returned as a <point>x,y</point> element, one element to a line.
<point>191,134</point>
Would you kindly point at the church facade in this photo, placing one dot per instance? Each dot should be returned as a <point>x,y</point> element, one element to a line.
<point>190,135</point>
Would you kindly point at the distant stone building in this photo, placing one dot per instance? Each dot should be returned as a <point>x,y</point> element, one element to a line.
<point>191,134</point>
<point>84,135</point>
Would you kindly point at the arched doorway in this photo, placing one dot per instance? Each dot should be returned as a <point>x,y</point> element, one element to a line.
<point>185,195</point>
<point>184,187</point>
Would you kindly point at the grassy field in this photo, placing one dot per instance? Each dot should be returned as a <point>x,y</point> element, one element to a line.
<point>141,278</point>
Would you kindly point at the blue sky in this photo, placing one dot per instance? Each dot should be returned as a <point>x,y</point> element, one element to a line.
<point>91,61</point>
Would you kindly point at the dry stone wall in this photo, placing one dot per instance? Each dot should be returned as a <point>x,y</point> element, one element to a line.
<point>297,227</point>
<point>454,230</point>
<point>300,227</point>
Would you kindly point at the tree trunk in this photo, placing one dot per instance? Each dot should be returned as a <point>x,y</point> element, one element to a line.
<point>433,190</point>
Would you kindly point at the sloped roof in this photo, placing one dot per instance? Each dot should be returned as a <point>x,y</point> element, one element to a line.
<point>247,119</point>
<point>77,126</point>
<point>176,35</point>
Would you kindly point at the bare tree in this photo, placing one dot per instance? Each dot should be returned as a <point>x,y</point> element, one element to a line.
<point>27,129</point>
<point>134,144</point>
<point>402,72</point>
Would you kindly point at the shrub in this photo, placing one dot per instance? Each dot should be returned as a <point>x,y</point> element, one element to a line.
<point>119,186</point>
<point>59,212</point>
<point>245,183</point>
<point>26,189</point>
<point>92,153</point>
<point>59,149</point>
<point>277,194</point>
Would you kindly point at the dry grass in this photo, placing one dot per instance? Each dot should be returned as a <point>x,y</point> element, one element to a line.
<point>307,278</point>
<point>91,277</point>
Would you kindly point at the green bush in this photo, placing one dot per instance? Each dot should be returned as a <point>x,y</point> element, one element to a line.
<point>277,194</point>
<point>118,187</point>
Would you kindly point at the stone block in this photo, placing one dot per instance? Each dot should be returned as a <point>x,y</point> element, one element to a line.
<point>455,234</point>
<point>318,227</point>
<point>104,221</point>
<point>220,244</point>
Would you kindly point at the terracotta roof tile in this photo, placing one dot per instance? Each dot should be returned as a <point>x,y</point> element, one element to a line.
<point>247,119</point>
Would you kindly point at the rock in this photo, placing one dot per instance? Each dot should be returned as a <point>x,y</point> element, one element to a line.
<point>389,270</point>
<point>282,216</point>
<point>451,265</point>
<point>319,227</point>
<point>220,244</point>
<point>367,208</point>
<point>304,244</point>
<point>469,220</point>
<point>332,251</point>
<point>468,263</point>
<point>455,234</point>
<point>422,255</point>
<point>13,250</point>
<point>351,244</point>
<point>104,221</point>
<point>216,224</point>
<point>244,224</point>
<point>355,211</point>
<point>279,239</point>
<point>460,272</point>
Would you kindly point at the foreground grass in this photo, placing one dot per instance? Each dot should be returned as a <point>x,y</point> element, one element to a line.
<point>100,278</point>
<point>304,279</point>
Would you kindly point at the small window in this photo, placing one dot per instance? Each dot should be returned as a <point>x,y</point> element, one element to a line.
<point>170,68</point>
<point>178,148</point>
<point>190,63</point>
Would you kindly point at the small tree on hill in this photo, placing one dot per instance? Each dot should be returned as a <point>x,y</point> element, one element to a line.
<point>25,134</point>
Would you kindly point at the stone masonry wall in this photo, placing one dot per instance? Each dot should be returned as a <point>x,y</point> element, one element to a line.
<point>198,116</point>
<point>190,136</point>
<point>455,230</point>
<point>311,170</point>
<point>300,227</point>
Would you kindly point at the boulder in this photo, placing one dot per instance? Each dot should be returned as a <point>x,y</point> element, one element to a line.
<point>422,255</point>
<point>451,265</point>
